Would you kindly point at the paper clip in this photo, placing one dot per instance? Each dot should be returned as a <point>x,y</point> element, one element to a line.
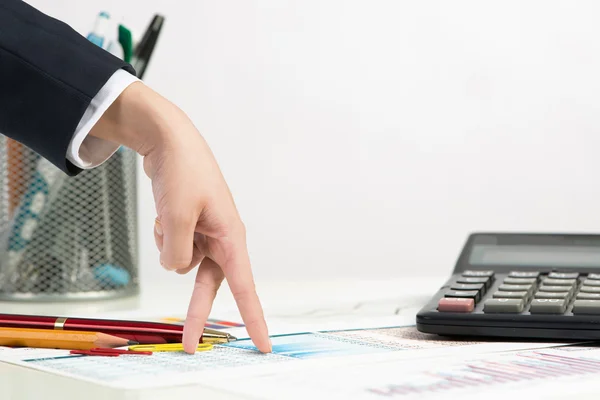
<point>168,347</point>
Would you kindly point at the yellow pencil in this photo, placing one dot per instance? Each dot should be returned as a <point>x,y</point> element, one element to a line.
<point>55,339</point>
<point>169,347</point>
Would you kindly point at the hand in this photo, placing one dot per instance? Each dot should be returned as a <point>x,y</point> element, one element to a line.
<point>197,222</point>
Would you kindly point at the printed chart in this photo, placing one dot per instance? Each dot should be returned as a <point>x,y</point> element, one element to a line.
<point>559,370</point>
<point>520,367</point>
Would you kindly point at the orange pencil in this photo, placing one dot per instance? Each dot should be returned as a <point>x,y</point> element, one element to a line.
<point>55,339</point>
<point>19,172</point>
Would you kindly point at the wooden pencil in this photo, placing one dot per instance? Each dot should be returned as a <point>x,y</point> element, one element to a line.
<point>59,339</point>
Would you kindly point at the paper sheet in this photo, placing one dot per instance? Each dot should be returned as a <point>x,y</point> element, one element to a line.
<point>297,354</point>
<point>286,318</point>
<point>559,372</point>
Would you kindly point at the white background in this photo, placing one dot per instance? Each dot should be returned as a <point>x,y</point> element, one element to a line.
<point>368,138</point>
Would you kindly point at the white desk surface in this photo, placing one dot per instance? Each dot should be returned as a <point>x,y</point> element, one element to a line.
<point>171,298</point>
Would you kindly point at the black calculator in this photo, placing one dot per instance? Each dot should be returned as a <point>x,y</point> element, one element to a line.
<point>520,285</point>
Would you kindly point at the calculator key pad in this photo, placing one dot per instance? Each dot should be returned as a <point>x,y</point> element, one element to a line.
<point>522,292</point>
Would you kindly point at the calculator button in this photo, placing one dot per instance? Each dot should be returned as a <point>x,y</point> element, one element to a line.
<point>520,281</point>
<point>552,295</point>
<point>548,288</point>
<point>593,276</point>
<point>563,275</point>
<point>548,306</point>
<point>453,304</point>
<point>591,282</point>
<point>522,274</point>
<point>588,296</point>
<point>590,289</point>
<point>478,274</point>
<point>559,282</point>
<point>511,295</point>
<point>516,288</point>
<point>586,307</point>
<point>486,281</point>
<point>504,306</point>
<point>470,294</point>
<point>466,286</point>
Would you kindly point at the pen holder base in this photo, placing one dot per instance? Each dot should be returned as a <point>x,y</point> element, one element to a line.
<point>67,238</point>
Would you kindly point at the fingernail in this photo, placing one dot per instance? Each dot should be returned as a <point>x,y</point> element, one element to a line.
<point>158,227</point>
<point>270,345</point>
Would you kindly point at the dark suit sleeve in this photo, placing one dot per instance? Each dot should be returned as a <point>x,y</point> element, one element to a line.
<point>49,74</point>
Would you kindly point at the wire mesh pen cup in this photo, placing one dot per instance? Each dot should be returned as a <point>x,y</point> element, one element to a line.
<point>66,238</point>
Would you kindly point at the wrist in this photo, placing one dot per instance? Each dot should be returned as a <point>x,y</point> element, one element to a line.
<point>136,119</point>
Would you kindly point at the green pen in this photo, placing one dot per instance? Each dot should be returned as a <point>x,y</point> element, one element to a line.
<point>126,41</point>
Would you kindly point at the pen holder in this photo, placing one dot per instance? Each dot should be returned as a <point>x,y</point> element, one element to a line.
<point>62,237</point>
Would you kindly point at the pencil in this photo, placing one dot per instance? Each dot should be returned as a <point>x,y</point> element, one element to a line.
<point>52,339</point>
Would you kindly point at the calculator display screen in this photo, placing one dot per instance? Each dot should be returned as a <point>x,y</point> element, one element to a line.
<point>536,256</point>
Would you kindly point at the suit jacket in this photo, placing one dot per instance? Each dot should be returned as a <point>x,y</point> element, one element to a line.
<point>49,74</point>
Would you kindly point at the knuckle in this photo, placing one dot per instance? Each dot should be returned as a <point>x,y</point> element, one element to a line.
<point>222,230</point>
<point>205,284</point>
<point>241,228</point>
<point>244,295</point>
<point>177,217</point>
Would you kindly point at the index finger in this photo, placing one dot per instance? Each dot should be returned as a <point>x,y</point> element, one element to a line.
<point>237,270</point>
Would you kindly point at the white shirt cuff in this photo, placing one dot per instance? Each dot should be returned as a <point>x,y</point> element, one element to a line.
<point>86,151</point>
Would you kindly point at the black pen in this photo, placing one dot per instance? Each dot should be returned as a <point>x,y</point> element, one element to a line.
<point>145,48</point>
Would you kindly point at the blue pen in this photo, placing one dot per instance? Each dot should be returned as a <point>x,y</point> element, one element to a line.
<point>98,34</point>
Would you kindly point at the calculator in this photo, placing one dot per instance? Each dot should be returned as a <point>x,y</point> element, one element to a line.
<point>520,285</point>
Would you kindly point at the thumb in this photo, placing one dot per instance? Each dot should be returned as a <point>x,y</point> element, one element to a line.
<point>177,238</point>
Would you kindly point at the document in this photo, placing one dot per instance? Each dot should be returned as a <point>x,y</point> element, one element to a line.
<point>550,373</point>
<point>294,355</point>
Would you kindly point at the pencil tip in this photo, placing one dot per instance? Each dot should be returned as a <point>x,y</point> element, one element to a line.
<point>132,343</point>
